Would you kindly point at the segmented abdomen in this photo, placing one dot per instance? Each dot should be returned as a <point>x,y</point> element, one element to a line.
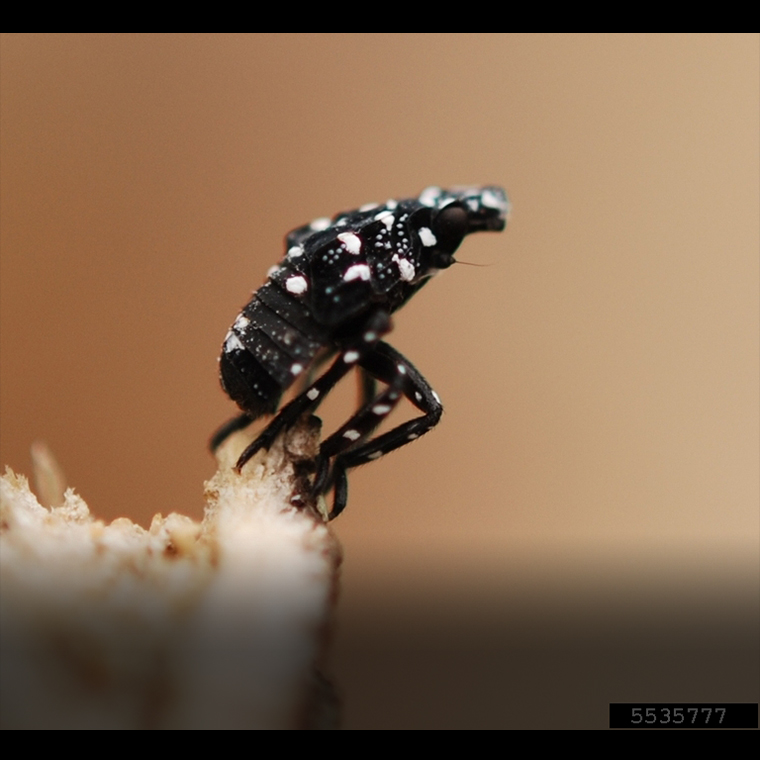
<point>272,341</point>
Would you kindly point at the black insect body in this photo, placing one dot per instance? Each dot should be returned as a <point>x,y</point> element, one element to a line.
<point>334,293</point>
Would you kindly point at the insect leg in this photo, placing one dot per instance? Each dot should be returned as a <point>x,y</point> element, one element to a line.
<point>358,428</point>
<point>308,377</point>
<point>388,365</point>
<point>352,352</point>
<point>240,422</point>
<point>307,401</point>
<point>367,387</point>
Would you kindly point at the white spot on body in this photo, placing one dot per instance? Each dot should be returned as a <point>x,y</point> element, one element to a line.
<point>320,224</point>
<point>368,207</point>
<point>391,204</point>
<point>401,369</point>
<point>241,322</point>
<point>350,357</point>
<point>412,436</point>
<point>429,196</point>
<point>427,237</point>
<point>491,200</point>
<point>380,409</point>
<point>296,285</point>
<point>375,455</point>
<point>273,270</point>
<point>369,336</point>
<point>356,272</point>
<point>296,369</point>
<point>405,268</point>
<point>352,242</point>
<point>386,217</point>
<point>232,343</point>
<point>436,396</point>
<point>312,394</point>
<point>418,395</point>
<point>352,435</point>
<point>295,251</point>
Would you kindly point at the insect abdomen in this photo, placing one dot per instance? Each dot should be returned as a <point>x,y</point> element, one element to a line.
<point>271,342</point>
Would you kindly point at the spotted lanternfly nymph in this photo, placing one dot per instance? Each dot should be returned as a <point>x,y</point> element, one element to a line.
<point>333,294</point>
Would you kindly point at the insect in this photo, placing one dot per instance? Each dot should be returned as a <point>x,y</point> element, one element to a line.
<point>332,296</point>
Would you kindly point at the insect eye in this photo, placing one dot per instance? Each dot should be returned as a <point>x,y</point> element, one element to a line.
<point>450,227</point>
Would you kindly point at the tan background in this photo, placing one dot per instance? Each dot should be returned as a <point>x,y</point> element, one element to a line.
<point>583,526</point>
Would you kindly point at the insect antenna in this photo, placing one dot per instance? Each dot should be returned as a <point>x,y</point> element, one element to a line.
<point>472,264</point>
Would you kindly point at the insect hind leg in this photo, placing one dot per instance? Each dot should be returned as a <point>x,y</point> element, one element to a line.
<point>305,402</point>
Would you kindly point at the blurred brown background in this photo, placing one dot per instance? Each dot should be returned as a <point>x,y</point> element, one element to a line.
<point>583,525</point>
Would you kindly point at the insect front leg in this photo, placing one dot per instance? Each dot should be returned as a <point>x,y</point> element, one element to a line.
<point>359,427</point>
<point>345,447</point>
<point>367,387</point>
